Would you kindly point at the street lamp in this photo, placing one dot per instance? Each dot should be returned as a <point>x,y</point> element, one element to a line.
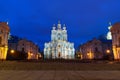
<point>109,57</point>
<point>12,51</point>
<point>31,54</point>
<point>107,51</point>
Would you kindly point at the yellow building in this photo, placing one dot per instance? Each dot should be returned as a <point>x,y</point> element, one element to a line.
<point>115,30</point>
<point>4,31</point>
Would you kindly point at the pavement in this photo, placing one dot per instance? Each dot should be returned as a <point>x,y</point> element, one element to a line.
<point>58,75</point>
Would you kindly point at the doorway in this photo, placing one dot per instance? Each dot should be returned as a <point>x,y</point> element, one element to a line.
<point>59,54</point>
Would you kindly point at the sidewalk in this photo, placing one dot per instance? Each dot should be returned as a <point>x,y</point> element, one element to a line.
<point>59,75</point>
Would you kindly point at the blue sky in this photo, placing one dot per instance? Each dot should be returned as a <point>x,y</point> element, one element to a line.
<point>84,19</point>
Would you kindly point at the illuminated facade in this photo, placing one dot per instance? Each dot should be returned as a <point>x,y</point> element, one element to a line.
<point>115,30</point>
<point>109,36</point>
<point>59,47</point>
<point>4,31</point>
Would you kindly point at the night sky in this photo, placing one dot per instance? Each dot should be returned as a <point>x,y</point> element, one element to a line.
<point>84,19</point>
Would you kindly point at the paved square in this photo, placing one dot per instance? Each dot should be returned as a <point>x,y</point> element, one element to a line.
<point>59,75</point>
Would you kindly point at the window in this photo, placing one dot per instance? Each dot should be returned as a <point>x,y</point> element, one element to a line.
<point>23,50</point>
<point>59,54</point>
<point>59,36</point>
<point>96,49</point>
<point>95,43</point>
<point>58,45</point>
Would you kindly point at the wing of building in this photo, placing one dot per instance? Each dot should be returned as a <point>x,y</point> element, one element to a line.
<point>4,31</point>
<point>59,47</point>
<point>96,49</point>
<point>115,30</point>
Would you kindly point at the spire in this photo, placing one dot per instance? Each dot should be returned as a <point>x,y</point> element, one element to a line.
<point>59,25</point>
<point>110,23</point>
<point>58,21</point>
<point>53,27</point>
<point>109,36</point>
<point>7,22</point>
<point>64,27</point>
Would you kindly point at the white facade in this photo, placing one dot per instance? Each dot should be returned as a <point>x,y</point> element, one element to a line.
<point>109,36</point>
<point>59,47</point>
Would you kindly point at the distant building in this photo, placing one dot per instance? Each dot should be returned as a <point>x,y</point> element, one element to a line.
<point>4,31</point>
<point>96,49</point>
<point>59,47</point>
<point>28,47</point>
<point>92,50</point>
<point>115,30</point>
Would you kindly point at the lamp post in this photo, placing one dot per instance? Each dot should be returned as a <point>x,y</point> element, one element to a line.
<point>108,51</point>
<point>12,51</point>
<point>108,54</point>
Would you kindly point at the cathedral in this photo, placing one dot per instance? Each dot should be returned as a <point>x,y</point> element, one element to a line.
<point>59,47</point>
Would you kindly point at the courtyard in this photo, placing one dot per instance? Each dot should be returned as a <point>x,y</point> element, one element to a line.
<point>59,70</point>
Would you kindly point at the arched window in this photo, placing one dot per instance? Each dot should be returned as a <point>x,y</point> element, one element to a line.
<point>96,49</point>
<point>23,49</point>
<point>59,46</point>
<point>59,36</point>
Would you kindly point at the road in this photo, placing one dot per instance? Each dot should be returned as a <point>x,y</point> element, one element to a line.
<point>58,75</point>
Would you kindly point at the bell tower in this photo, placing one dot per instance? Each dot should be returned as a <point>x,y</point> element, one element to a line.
<point>109,36</point>
<point>59,25</point>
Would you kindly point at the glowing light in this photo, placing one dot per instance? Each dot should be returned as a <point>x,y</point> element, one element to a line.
<point>31,54</point>
<point>81,56</point>
<point>78,55</point>
<point>90,55</point>
<point>12,51</point>
<point>107,51</point>
<point>40,55</point>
